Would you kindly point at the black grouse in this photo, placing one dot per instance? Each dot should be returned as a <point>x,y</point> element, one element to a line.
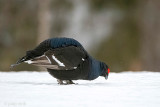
<point>66,60</point>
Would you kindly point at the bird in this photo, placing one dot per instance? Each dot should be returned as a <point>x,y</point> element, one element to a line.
<point>66,60</point>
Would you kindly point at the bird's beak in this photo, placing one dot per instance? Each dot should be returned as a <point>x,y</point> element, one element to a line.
<point>106,77</point>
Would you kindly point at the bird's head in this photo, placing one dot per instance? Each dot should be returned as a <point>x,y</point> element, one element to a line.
<point>105,70</point>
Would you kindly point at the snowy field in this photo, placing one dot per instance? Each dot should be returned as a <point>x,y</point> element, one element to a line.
<point>34,89</point>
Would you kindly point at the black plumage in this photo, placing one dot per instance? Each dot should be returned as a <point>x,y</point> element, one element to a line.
<point>66,60</point>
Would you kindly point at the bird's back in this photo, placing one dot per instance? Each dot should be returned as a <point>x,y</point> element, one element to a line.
<point>64,42</point>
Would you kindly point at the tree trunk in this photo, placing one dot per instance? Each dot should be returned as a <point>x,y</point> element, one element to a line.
<point>44,20</point>
<point>150,34</point>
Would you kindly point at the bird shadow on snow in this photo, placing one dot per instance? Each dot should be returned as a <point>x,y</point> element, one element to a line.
<point>32,83</point>
<point>92,84</point>
<point>56,84</point>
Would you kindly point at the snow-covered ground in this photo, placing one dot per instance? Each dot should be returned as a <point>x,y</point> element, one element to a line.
<point>34,89</point>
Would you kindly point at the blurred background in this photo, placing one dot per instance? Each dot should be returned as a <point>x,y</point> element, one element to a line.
<point>122,33</point>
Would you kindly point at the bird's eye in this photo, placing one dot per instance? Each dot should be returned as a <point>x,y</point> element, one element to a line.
<point>108,70</point>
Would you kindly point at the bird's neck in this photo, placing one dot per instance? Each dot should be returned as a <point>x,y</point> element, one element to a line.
<point>95,68</point>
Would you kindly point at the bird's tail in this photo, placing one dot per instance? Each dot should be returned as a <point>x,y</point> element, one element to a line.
<point>29,55</point>
<point>19,61</point>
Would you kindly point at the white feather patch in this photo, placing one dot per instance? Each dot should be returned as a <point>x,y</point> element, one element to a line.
<point>75,67</point>
<point>59,62</point>
<point>48,60</point>
<point>29,62</point>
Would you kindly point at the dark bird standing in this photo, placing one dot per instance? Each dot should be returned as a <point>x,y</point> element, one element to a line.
<point>66,60</point>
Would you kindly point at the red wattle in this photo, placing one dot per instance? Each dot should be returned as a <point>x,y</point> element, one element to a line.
<point>108,70</point>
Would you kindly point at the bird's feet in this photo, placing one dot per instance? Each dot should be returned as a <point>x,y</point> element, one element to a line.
<point>60,82</point>
<point>69,82</point>
<point>65,82</point>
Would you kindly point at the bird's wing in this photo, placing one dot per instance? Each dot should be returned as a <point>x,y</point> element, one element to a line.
<point>64,58</point>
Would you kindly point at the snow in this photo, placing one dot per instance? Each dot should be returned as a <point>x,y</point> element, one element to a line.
<point>39,89</point>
